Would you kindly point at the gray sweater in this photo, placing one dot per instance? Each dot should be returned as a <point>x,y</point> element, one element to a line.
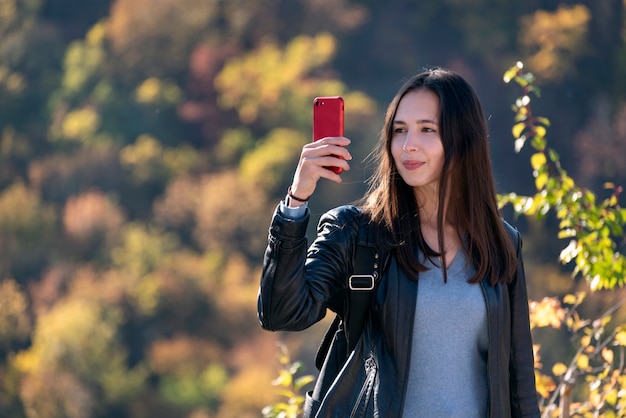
<point>448,373</point>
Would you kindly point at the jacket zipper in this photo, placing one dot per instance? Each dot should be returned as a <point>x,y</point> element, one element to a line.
<point>370,370</point>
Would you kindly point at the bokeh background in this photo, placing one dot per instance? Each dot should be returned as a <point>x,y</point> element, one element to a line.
<point>145,143</point>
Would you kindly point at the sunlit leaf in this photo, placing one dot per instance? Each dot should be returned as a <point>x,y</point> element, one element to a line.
<point>607,355</point>
<point>569,299</point>
<point>519,143</point>
<point>510,73</point>
<point>518,128</point>
<point>540,131</point>
<point>559,369</point>
<point>545,385</point>
<point>582,362</point>
<point>541,180</point>
<point>585,341</point>
<point>611,398</point>
<point>538,160</point>
<point>303,381</point>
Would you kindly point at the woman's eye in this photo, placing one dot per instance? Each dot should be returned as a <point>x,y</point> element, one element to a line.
<point>399,130</point>
<point>427,129</point>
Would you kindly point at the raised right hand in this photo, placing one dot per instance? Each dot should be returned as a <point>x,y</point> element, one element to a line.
<point>315,162</point>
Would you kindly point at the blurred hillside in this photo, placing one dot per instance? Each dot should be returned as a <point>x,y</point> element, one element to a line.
<point>144,145</point>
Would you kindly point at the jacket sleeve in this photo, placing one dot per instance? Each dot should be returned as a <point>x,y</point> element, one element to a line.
<point>297,285</point>
<point>521,367</point>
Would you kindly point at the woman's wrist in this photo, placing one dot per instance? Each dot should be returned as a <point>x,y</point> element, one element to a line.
<point>294,201</point>
<point>297,198</point>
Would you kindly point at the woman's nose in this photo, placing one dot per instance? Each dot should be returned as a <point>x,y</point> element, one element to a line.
<point>410,142</point>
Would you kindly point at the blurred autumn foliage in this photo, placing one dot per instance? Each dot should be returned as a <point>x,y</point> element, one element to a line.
<point>144,145</point>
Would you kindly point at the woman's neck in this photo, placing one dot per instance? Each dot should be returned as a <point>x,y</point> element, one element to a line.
<point>428,206</point>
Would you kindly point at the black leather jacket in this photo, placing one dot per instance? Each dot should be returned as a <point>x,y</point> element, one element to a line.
<point>297,287</point>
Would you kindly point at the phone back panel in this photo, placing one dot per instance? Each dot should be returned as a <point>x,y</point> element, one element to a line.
<point>327,117</point>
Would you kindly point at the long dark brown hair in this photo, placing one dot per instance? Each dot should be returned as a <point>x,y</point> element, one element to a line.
<point>466,181</point>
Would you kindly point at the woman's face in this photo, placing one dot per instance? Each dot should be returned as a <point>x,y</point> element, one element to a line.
<point>416,144</point>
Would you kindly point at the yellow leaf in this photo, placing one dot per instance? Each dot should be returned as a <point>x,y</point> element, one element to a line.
<point>569,299</point>
<point>545,385</point>
<point>585,340</point>
<point>582,362</point>
<point>611,397</point>
<point>510,73</point>
<point>567,233</point>
<point>620,337</point>
<point>607,355</point>
<point>518,128</point>
<point>538,160</point>
<point>559,369</point>
<point>541,181</point>
<point>595,399</point>
<point>540,131</point>
<point>547,312</point>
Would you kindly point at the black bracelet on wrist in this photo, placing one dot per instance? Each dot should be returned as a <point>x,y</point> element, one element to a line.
<point>299,199</point>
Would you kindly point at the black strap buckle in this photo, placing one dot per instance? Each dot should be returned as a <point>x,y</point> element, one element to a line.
<point>361,282</point>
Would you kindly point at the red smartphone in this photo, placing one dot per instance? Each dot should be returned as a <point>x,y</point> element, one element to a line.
<point>328,119</point>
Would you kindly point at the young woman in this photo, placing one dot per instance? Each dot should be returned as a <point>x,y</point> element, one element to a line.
<point>447,333</point>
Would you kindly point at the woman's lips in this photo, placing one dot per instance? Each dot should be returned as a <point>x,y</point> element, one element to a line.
<point>412,165</point>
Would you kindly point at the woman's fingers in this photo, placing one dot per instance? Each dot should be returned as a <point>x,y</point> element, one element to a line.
<point>327,153</point>
<point>317,160</point>
<point>328,147</point>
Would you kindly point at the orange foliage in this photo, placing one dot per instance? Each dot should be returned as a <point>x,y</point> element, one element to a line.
<point>182,353</point>
<point>89,214</point>
<point>56,395</point>
<point>554,39</point>
<point>231,215</point>
<point>547,312</point>
<point>177,206</point>
<point>254,359</point>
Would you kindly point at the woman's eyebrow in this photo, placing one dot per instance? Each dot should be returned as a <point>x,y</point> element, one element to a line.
<point>401,122</point>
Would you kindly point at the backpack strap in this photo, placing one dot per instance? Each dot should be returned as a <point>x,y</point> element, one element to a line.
<point>366,267</point>
<point>360,286</point>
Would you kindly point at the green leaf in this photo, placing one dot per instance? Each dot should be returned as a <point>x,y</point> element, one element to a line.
<point>539,142</point>
<point>303,381</point>
<point>543,121</point>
